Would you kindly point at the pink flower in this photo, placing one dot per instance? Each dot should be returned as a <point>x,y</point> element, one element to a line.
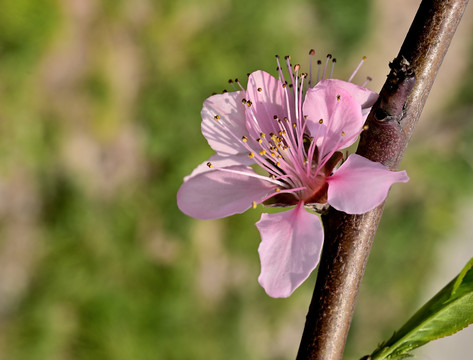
<point>294,135</point>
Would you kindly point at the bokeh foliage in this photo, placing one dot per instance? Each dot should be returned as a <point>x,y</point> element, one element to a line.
<point>99,112</point>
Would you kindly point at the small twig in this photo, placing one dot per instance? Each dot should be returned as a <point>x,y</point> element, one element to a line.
<point>391,123</point>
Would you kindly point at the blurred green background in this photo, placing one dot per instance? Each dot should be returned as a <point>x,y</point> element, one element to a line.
<point>99,122</point>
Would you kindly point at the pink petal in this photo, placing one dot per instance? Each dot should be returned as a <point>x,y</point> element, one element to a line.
<point>231,112</point>
<point>219,161</point>
<point>365,97</point>
<point>219,193</point>
<point>340,112</point>
<point>359,185</point>
<point>289,250</point>
<point>268,98</point>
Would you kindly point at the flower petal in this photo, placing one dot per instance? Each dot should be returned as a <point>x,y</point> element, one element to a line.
<point>359,185</point>
<point>365,97</point>
<point>268,98</point>
<point>340,112</point>
<point>231,112</point>
<point>218,161</point>
<point>290,249</point>
<point>222,192</point>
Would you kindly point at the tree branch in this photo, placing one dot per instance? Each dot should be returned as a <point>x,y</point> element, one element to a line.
<point>391,123</point>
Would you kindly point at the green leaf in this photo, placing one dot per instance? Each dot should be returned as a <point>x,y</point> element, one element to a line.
<point>449,311</point>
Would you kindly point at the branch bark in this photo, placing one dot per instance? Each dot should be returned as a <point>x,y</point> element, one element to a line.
<point>391,123</point>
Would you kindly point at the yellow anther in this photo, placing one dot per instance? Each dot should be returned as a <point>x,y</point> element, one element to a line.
<point>286,119</point>
<point>280,133</point>
<point>243,101</point>
<point>259,140</point>
<point>343,133</point>
<point>251,155</point>
<point>277,164</point>
<point>262,152</point>
<point>259,89</point>
<point>209,164</point>
<point>262,135</point>
<point>365,127</point>
<point>273,154</point>
<point>321,121</point>
<point>249,103</point>
<point>339,97</point>
<point>311,139</point>
<point>364,58</point>
<point>278,189</point>
<point>216,117</point>
<point>294,125</point>
<point>254,204</point>
<point>244,139</point>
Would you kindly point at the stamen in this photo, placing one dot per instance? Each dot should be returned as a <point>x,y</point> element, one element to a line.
<point>239,84</point>
<point>311,55</point>
<point>333,66</point>
<point>357,68</point>
<point>319,65</point>
<point>368,79</point>
<point>329,56</point>
<point>209,164</point>
<point>244,139</point>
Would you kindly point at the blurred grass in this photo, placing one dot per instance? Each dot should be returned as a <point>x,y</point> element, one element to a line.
<point>99,112</point>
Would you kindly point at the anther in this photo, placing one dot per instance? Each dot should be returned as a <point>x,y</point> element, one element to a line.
<point>366,127</point>
<point>217,117</point>
<point>254,204</point>
<point>278,189</point>
<point>321,121</point>
<point>249,103</point>
<point>338,97</point>
<point>294,125</point>
<point>259,140</point>
<point>209,164</point>
<point>262,152</point>
<point>251,155</point>
<point>259,89</point>
<point>297,67</point>
<point>243,101</point>
<point>262,135</point>
<point>343,133</point>
<point>230,81</point>
<point>244,139</point>
<point>224,91</point>
<point>312,52</point>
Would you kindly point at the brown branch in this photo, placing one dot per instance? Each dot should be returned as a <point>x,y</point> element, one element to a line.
<point>391,123</point>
